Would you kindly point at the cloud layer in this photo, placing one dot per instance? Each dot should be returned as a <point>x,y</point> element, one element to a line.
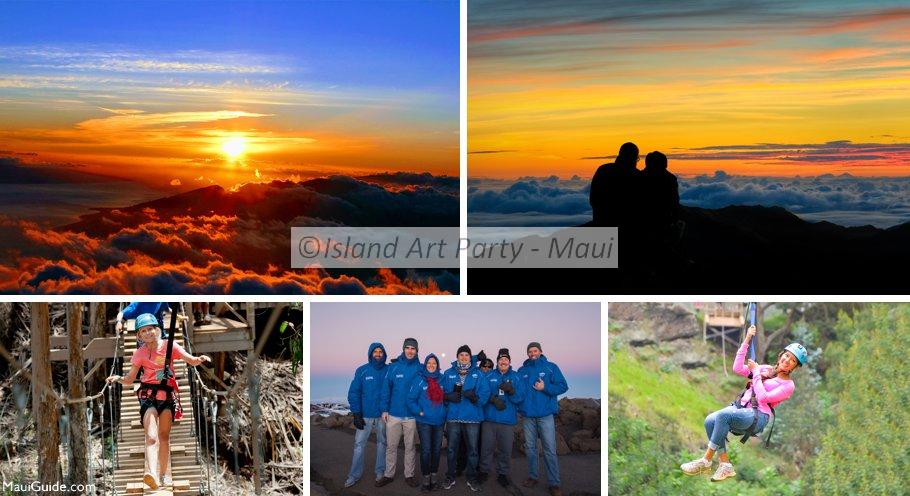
<point>214,241</point>
<point>843,199</point>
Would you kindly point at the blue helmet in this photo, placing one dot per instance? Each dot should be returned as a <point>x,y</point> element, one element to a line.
<point>799,352</point>
<point>146,319</point>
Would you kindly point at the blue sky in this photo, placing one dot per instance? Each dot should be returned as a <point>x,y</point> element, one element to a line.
<point>402,44</point>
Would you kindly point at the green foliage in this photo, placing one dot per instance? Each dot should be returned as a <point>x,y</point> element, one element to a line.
<point>865,448</point>
<point>294,342</point>
<point>656,423</point>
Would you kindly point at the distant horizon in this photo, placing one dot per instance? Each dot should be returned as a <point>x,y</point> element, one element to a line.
<point>844,199</point>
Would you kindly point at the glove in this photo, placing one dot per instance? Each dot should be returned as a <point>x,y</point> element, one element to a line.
<point>358,421</point>
<point>507,387</point>
<point>481,357</point>
<point>453,397</point>
<point>471,394</point>
<point>498,403</point>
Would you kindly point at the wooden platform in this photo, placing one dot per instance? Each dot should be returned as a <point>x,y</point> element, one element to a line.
<point>187,474</point>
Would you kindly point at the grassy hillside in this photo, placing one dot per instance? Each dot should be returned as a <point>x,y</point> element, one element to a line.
<point>656,422</point>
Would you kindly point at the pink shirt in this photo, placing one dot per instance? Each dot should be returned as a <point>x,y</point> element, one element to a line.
<point>152,362</point>
<point>771,391</point>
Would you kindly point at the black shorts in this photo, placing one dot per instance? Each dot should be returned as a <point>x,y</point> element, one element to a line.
<point>158,405</point>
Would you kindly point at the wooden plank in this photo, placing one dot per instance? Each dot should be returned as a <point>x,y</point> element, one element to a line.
<point>135,487</point>
<point>236,334</point>
<point>237,345</point>
<point>97,348</point>
<point>63,342</point>
<point>139,451</point>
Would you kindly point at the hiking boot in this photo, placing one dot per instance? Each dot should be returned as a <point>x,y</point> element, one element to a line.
<point>350,482</point>
<point>384,481</point>
<point>449,483</point>
<point>427,485</point>
<point>474,485</point>
<point>412,481</point>
<point>696,467</point>
<point>529,482</point>
<point>724,471</point>
<point>503,480</point>
<point>555,491</point>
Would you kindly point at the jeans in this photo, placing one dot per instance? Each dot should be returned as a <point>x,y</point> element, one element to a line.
<point>496,436</point>
<point>545,429</point>
<point>430,443</point>
<point>455,432</point>
<point>719,423</point>
<point>360,440</point>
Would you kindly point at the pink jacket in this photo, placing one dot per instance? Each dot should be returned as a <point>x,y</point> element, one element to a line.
<point>769,392</point>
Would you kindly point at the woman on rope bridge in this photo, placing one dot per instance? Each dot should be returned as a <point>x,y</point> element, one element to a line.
<point>157,405</point>
<point>748,415</point>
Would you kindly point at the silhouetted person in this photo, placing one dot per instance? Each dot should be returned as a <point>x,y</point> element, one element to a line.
<point>660,191</point>
<point>615,190</point>
<point>663,229</point>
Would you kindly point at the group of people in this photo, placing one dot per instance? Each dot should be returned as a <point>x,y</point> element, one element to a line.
<point>475,404</point>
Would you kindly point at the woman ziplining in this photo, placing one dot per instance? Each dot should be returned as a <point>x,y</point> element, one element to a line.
<point>747,416</point>
<point>157,394</point>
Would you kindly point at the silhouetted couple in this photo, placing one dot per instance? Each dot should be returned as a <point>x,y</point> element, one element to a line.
<point>644,204</point>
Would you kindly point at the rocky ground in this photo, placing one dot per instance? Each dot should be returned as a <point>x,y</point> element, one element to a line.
<point>578,444</point>
<point>668,329</point>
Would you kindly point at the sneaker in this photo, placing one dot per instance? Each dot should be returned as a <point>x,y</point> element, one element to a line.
<point>449,483</point>
<point>412,481</point>
<point>150,481</point>
<point>350,482</point>
<point>503,480</point>
<point>167,480</point>
<point>696,467</point>
<point>555,491</point>
<point>529,482</point>
<point>427,486</point>
<point>474,485</point>
<point>383,481</point>
<point>724,471</point>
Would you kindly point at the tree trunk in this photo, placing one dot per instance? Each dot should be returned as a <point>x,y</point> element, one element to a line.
<point>78,427</point>
<point>97,328</point>
<point>255,411</point>
<point>44,405</point>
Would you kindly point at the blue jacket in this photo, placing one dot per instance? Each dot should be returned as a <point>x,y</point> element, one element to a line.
<point>541,403</point>
<point>365,392</point>
<point>464,410</point>
<point>398,380</point>
<point>419,401</point>
<point>508,416</point>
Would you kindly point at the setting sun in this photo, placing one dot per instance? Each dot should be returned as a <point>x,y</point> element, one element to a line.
<point>233,147</point>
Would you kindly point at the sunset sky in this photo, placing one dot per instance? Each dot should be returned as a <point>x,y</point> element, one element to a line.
<point>193,93</point>
<point>750,88</point>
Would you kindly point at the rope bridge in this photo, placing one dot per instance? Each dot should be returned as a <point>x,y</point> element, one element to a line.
<point>193,439</point>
